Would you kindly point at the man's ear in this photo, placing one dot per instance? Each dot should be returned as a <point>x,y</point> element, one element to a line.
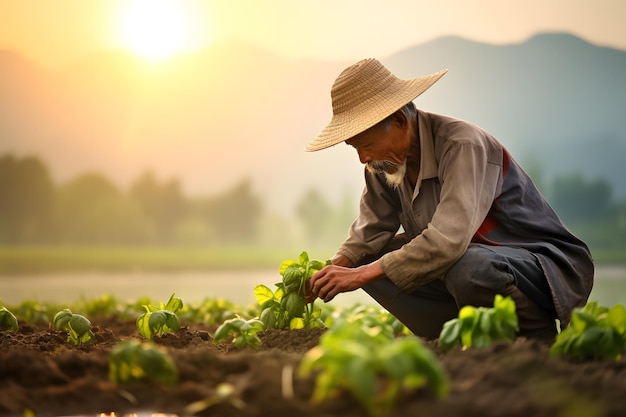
<point>399,119</point>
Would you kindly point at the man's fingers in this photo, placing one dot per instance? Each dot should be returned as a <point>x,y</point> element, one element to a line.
<point>327,291</point>
<point>322,284</point>
<point>317,282</point>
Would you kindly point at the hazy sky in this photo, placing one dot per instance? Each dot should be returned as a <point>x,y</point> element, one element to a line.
<point>56,32</point>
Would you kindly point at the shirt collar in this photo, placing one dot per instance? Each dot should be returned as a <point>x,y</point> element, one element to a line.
<point>428,162</point>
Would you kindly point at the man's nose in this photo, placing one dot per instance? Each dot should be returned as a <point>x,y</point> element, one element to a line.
<point>364,157</point>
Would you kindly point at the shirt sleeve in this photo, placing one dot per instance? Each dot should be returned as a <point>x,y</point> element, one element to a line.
<point>377,223</point>
<point>469,182</point>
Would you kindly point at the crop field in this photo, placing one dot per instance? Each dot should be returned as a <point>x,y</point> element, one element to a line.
<point>282,357</point>
<point>44,374</point>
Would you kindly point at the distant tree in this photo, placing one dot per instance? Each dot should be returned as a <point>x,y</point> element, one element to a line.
<point>163,203</point>
<point>316,215</point>
<point>345,215</point>
<point>234,216</point>
<point>26,199</point>
<point>537,173</point>
<point>578,200</point>
<point>90,209</point>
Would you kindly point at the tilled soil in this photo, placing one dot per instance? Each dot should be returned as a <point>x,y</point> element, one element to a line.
<point>42,372</point>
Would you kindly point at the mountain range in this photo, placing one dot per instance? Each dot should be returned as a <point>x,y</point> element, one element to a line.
<point>236,111</point>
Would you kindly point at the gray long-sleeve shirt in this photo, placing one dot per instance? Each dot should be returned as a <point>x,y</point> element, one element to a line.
<point>469,189</point>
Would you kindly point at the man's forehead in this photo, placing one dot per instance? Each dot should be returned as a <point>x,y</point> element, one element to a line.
<point>367,136</point>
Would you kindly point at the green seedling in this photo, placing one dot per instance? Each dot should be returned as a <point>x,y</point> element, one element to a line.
<point>132,360</point>
<point>595,332</point>
<point>157,321</point>
<point>102,306</point>
<point>8,320</point>
<point>78,327</point>
<point>209,311</point>
<point>244,332</point>
<point>373,365</point>
<point>367,315</point>
<point>286,307</point>
<point>480,327</point>
<point>33,312</point>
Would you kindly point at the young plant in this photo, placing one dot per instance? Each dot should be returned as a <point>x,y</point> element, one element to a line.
<point>243,331</point>
<point>595,332</point>
<point>159,320</point>
<point>78,327</point>
<point>373,365</point>
<point>132,360</point>
<point>33,312</point>
<point>481,326</point>
<point>8,320</point>
<point>209,311</point>
<point>368,315</point>
<point>103,306</point>
<point>286,307</point>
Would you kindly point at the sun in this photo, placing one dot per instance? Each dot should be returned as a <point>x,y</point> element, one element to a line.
<point>157,29</point>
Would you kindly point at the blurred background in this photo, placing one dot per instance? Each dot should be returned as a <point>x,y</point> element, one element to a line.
<point>156,146</point>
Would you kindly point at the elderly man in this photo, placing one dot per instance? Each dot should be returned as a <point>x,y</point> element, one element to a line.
<point>473,223</point>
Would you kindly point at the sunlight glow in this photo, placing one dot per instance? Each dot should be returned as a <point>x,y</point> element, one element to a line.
<point>157,29</point>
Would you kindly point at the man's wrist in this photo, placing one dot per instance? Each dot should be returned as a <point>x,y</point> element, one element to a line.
<point>341,260</point>
<point>372,272</point>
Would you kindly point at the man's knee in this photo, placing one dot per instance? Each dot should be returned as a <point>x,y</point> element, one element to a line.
<point>477,276</point>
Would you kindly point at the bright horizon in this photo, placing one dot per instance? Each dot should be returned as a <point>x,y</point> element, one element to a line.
<point>88,110</point>
<point>53,35</point>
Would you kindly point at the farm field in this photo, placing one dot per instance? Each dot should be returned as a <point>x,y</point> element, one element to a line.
<point>45,372</point>
<point>42,372</point>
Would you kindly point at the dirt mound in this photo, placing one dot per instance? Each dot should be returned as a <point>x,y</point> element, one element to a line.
<point>41,371</point>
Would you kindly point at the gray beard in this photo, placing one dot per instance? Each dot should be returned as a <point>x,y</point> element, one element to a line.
<point>393,180</point>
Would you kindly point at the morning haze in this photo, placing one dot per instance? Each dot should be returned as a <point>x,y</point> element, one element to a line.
<point>237,111</point>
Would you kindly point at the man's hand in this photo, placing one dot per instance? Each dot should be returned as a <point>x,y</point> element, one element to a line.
<point>333,279</point>
<point>339,260</point>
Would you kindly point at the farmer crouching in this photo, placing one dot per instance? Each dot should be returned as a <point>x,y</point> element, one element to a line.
<point>473,223</point>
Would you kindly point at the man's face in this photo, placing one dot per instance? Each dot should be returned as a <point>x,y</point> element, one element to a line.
<point>377,149</point>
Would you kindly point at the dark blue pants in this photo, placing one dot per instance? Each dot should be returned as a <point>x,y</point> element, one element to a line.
<point>475,279</point>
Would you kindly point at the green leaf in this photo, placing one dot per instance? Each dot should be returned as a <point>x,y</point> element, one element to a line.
<point>361,379</point>
<point>595,332</point>
<point>303,259</point>
<point>247,340</point>
<point>468,317</point>
<point>60,320</point>
<point>296,323</point>
<point>268,317</point>
<point>617,318</point>
<point>450,335</point>
<point>172,321</point>
<point>80,324</point>
<point>485,319</point>
<point>284,265</point>
<point>293,277</point>
<point>263,295</point>
<point>294,304</point>
<point>156,364</point>
<point>315,265</point>
<point>8,321</point>
<point>174,304</point>
<point>156,321</point>
<point>223,331</point>
<point>143,325</point>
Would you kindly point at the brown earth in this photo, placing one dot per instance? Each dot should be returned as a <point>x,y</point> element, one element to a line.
<point>41,371</point>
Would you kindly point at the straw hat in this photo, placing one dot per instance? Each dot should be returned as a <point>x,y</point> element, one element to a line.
<point>365,94</point>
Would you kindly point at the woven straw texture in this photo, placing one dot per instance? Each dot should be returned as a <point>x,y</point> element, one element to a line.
<point>365,94</point>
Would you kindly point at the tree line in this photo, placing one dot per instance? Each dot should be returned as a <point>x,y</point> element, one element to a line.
<point>90,209</point>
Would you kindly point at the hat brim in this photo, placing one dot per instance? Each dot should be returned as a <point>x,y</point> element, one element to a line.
<point>368,113</point>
